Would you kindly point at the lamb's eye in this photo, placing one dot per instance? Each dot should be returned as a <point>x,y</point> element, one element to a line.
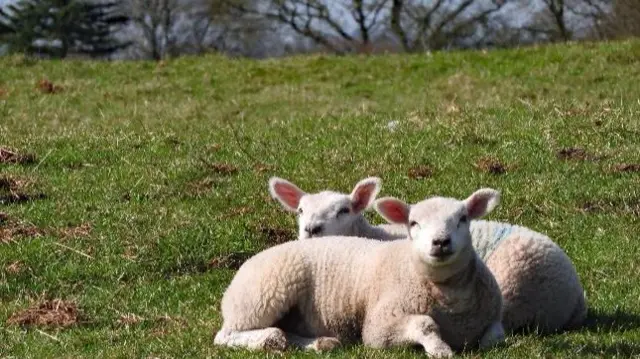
<point>342,211</point>
<point>463,219</point>
<point>299,210</point>
<point>413,224</point>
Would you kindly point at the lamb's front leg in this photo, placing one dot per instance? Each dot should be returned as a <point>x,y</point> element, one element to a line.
<point>387,331</point>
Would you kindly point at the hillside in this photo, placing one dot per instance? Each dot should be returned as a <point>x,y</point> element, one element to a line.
<point>130,190</point>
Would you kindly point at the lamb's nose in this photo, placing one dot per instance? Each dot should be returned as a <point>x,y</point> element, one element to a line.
<point>313,230</point>
<point>444,242</point>
<point>441,247</point>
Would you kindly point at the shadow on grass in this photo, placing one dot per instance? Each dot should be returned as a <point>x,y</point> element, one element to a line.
<point>618,321</point>
<point>599,321</point>
<point>622,348</point>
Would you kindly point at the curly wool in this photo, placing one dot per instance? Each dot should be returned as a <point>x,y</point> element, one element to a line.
<point>539,284</point>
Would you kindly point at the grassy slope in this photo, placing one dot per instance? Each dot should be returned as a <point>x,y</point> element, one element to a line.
<point>132,149</point>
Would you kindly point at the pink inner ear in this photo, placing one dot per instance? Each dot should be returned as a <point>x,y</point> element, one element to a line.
<point>477,205</point>
<point>394,211</point>
<point>362,196</point>
<point>288,194</point>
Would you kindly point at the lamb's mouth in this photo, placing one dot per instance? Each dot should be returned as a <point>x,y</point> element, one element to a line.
<point>440,255</point>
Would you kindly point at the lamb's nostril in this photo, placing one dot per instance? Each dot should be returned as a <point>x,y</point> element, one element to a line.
<point>314,229</point>
<point>446,242</point>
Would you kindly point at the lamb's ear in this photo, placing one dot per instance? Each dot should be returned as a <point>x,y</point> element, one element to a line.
<point>286,193</point>
<point>393,210</point>
<point>364,193</point>
<point>481,202</point>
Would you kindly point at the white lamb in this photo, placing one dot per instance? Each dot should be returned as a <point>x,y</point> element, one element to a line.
<point>540,287</point>
<point>330,213</point>
<point>433,290</point>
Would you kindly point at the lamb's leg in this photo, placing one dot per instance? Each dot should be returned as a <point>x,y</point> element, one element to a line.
<point>412,329</point>
<point>258,339</point>
<point>492,336</point>
<point>319,344</point>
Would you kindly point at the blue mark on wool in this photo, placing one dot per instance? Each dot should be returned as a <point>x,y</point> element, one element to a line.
<point>499,234</point>
<point>502,232</point>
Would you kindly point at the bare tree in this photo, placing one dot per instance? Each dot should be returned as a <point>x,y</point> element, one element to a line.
<point>425,25</point>
<point>340,25</point>
<point>563,20</point>
<point>154,24</point>
<point>622,20</point>
<point>353,25</point>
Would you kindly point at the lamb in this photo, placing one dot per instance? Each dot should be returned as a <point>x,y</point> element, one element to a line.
<point>432,290</point>
<point>540,287</point>
<point>330,213</point>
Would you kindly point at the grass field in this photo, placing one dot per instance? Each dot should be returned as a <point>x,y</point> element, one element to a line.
<point>130,191</point>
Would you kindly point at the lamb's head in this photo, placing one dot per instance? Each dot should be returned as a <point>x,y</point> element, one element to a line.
<point>326,213</point>
<point>439,226</point>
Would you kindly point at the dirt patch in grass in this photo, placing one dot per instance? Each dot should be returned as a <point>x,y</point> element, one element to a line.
<point>165,324</point>
<point>14,267</point>
<point>3,93</point>
<point>576,154</point>
<point>168,320</point>
<point>618,206</point>
<point>262,168</point>
<point>19,197</point>
<point>9,183</point>
<point>14,190</point>
<point>75,231</point>
<point>491,165</point>
<point>48,87</point>
<point>272,235</point>
<point>625,168</point>
<point>229,261</point>
<point>234,212</point>
<point>11,229</point>
<point>14,157</point>
<point>220,168</point>
<point>201,186</point>
<point>420,172</point>
<point>50,313</point>
<point>129,319</point>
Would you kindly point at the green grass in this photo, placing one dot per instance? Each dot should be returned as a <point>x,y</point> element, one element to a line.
<point>137,150</point>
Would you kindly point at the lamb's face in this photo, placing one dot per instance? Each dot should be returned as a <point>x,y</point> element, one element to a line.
<point>325,214</point>
<point>439,229</point>
<point>438,226</point>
